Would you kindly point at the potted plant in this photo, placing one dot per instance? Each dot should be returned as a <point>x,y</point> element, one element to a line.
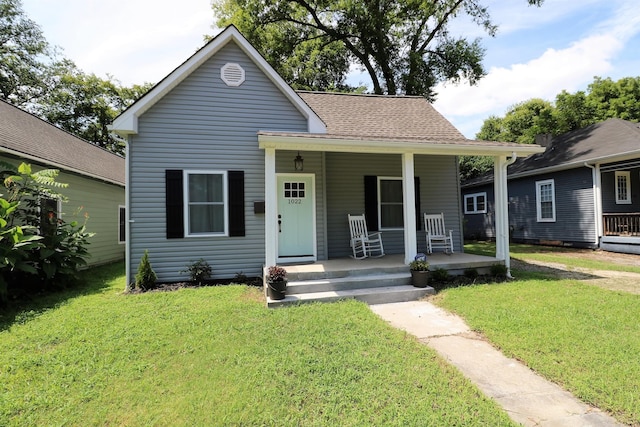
<point>419,273</point>
<point>276,282</point>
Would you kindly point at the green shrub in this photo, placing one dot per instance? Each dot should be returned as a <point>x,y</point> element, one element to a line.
<point>471,273</point>
<point>199,271</point>
<point>146,277</point>
<point>499,271</point>
<point>440,275</point>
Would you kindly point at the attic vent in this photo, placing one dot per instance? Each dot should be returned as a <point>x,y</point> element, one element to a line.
<point>232,74</point>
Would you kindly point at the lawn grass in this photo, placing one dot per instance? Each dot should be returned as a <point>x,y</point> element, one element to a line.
<point>548,254</point>
<point>582,337</point>
<point>217,356</point>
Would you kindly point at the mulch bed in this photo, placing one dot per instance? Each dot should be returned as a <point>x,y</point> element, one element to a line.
<point>174,286</point>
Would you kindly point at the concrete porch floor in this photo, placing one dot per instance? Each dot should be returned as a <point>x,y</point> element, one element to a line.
<point>456,263</point>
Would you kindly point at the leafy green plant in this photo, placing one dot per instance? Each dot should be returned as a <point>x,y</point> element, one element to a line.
<point>145,277</point>
<point>499,270</point>
<point>199,271</point>
<point>440,275</point>
<point>471,273</point>
<point>419,265</point>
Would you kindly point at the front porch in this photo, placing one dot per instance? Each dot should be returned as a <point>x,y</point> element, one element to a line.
<point>372,280</point>
<point>621,233</point>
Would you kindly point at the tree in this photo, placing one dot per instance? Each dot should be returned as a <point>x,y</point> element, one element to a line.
<point>84,104</point>
<point>404,46</point>
<point>23,49</point>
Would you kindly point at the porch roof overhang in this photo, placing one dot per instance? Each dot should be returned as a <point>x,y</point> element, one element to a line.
<point>386,145</point>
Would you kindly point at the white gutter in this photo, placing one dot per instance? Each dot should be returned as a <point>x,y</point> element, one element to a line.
<point>597,201</point>
<point>128,220</point>
<point>381,146</point>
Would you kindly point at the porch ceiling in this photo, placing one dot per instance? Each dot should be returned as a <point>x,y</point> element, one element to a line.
<point>339,143</point>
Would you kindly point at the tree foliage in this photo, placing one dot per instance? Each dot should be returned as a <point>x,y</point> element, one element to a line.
<point>23,50</point>
<point>604,99</point>
<point>404,46</point>
<point>35,78</point>
<point>85,104</point>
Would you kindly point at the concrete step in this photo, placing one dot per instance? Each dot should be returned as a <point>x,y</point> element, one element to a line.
<point>296,276</point>
<point>295,287</point>
<point>374,295</point>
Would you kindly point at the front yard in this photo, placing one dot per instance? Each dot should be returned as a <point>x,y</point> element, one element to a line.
<point>217,356</point>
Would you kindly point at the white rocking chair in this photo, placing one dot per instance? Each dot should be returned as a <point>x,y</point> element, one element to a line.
<point>363,243</point>
<point>437,236</point>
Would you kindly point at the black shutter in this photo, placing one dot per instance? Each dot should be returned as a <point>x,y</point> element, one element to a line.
<point>236,203</point>
<point>418,218</point>
<point>174,204</point>
<point>371,201</point>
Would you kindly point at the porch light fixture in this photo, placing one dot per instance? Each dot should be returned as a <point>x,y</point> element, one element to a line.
<point>298,162</point>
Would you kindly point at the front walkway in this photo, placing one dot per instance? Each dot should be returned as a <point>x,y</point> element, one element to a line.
<point>528,398</point>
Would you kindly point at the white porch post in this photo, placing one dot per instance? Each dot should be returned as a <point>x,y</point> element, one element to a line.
<point>501,208</point>
<point>271,207</point>
<point>409,197</point>
<point>597,203</point>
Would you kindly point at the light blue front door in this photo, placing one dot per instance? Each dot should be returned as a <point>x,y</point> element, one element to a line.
<point>296,219</point>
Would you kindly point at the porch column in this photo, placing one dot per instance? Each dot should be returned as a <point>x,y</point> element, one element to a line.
<point>597,203</point>
<point>409,198</point>
<point>271,207</point>
<point>501,202</point>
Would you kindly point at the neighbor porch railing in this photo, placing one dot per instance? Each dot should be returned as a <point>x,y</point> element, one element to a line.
<point>621,224</point>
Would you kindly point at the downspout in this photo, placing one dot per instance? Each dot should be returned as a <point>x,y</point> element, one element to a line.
<point>505,213</point>
<point>128,220</point>
<point>597,205</point>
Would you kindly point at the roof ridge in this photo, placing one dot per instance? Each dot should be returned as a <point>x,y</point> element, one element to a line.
<point>372,95</point>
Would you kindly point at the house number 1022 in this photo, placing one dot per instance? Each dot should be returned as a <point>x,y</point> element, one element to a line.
<point>295,201</point>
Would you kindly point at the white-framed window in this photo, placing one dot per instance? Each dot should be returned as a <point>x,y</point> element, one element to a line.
<point>122,222</point>
<point>545,201</point>
<point>475,203</point>
<point>205,203</point>
<point>390,206</point>
<point>623,188</point>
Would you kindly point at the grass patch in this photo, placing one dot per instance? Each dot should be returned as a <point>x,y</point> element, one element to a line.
<point>217,356</point>
<point>582,337</point>
<point>559,255</point>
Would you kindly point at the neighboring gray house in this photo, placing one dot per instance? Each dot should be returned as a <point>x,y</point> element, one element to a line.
<point>583,191</point>
<point>95,177</point>
<point>227,163</point>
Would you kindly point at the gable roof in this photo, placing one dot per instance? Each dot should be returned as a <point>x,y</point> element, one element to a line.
<point>610,141</point>
<point>27,136</point>
<point>380,116</point>
<point>127,122</point>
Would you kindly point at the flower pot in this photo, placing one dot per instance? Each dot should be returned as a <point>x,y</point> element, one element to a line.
<point>420,279</point>
<point>276,289</point>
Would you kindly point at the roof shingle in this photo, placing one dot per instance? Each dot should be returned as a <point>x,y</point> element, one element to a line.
<point>381,116</point>
<point>27,134</point>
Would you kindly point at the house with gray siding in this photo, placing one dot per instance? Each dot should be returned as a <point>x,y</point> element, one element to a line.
<point>583,191</point>
<point>227,163</point>
<point>95,177</point>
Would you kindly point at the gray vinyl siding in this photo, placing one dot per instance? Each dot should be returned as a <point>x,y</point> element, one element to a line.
<point>608,183</point>
<point>575,217</point>
<point>96,199</point>
<point>345,195</point>
<point>574,208</point>
<point>480,226</point>
<point>204,124</point>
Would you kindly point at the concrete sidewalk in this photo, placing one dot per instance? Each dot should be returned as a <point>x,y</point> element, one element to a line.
<point>528,398</point>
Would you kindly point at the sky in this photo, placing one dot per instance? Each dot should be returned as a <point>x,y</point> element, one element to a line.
<point>537,52</point>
